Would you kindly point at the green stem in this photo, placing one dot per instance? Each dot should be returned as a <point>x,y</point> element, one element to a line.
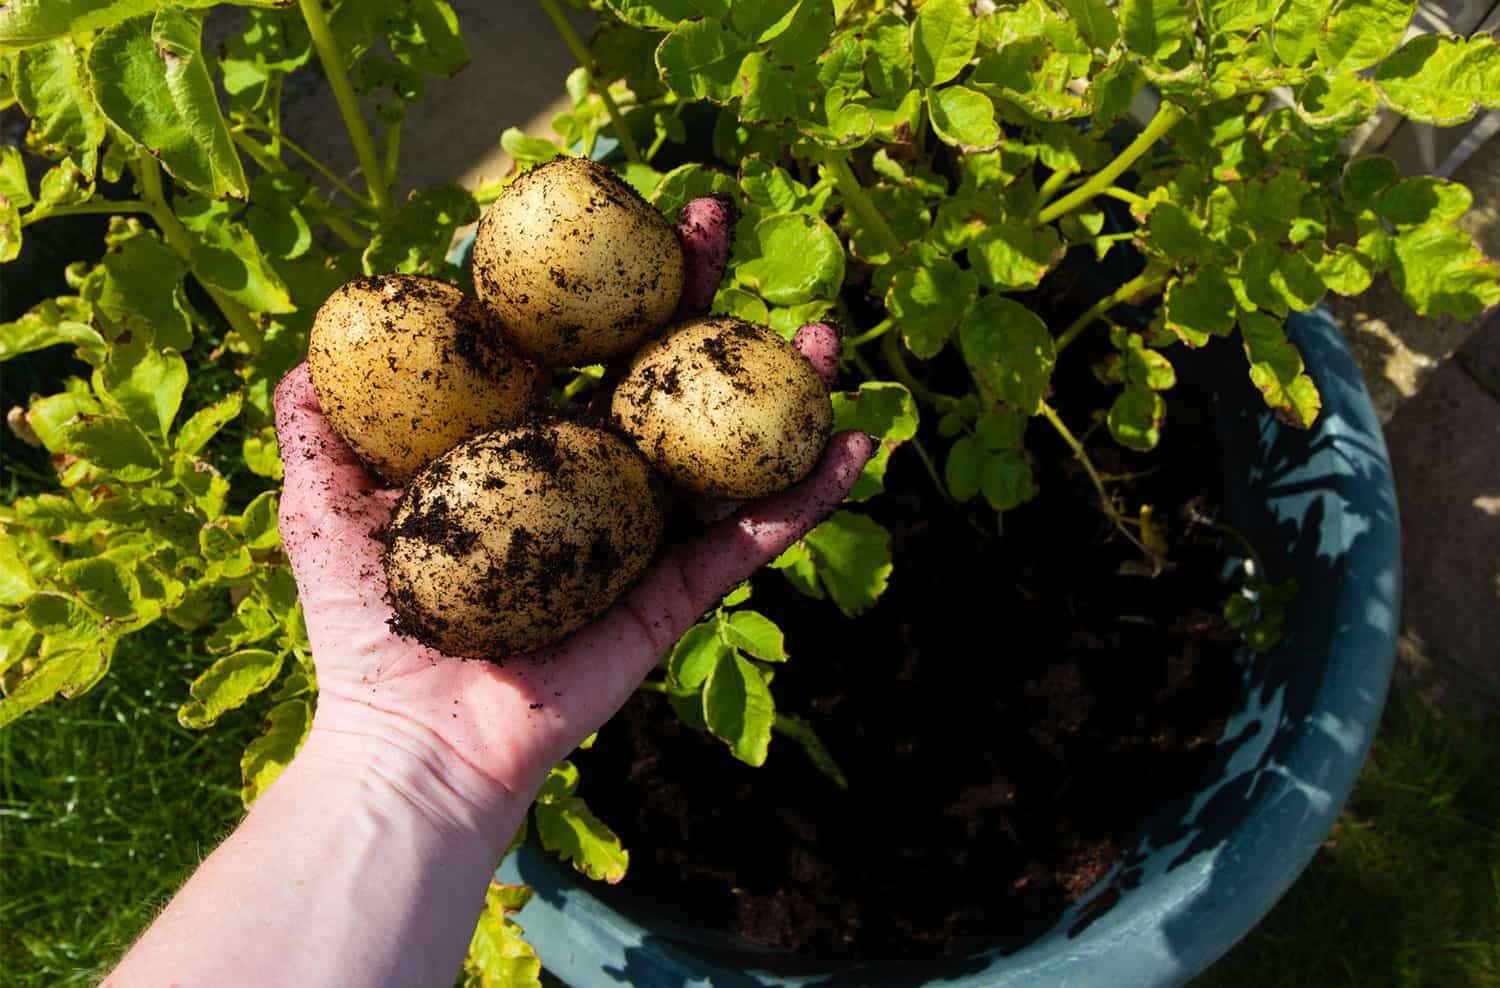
<point>1166,118</point>
<point>798,730</point>
<point>317,166</point>
<point>586,59</point>
<point>652,686</point>
<point>258,152</point>
<point>343,229</point>
<point>881,328</point>
<point>182,243</point>
<point>656,144</point>
<point>1146,281</point>
<point>392,153</point>
<point>86,209</point>
<point>1049,188</point>
<point>855,198</point>
<point>1105,501</point>
<point>890,348</point>
<point>343,94</point>
<point>1126,196</point>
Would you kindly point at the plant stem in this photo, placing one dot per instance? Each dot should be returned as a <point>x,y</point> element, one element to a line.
<point>1049,188</point>
<point>182,243</point>
<point>1126,196</point>
<point>890,348</point>
<point>586,59</point>
<point>392,153</point>
<point>1088,465</point>
<point>881,328</point>
<point>1146,281</point>
<point>858,200</point>
<point>1166,118</point>
<point>317,166</point>
<point>343,94</point>
<point>800,731</point>
<point>86,209</point>
<point>652,686</point>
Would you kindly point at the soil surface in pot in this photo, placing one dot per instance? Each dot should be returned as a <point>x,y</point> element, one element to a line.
<point>1007,716</point>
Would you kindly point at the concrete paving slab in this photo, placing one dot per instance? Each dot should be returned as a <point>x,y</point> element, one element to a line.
<point>1480,356</point>
<point>1445,450</point>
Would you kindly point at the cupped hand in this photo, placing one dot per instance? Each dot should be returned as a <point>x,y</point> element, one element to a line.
<point>506,722</point>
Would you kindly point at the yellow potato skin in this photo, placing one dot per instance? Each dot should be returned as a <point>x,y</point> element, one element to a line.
<point>515,538</point>
<point>405,366</point>
<point>577,265</point>
<point>725,408</point>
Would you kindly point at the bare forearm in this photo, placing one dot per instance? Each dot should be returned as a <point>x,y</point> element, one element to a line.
<point>351,870</point>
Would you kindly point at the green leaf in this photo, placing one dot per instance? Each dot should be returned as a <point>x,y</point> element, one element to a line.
<point>1095,21</point>
<point>1031,75</point>
<point>426,38</point>
<point>115,444</point>
<point>1347,271</point>
<point>852,556</point>
<point>571,831</point>
<point>1015,256</point>
<point>13,182</point>
<point>907,217</point>
<point>942,40</point>
<point>498,957</point>
<point>16,639</point>
<point>928,301</point>
<point>560,784</point>
<point>1276,368</point>
<point>1135,418</point>
<point>144,382</point>
<point>888,56</point>
<point>526,149</point>
<point>1005,479</point>
<point>1366,178</point>
<point>961,471</point>
<point>286,728</point>
<point>737,596</point>
<point>416,239</point>
<point>695,655</point>
<point>882,409</point>
<point>686,182</point>
<point>1279,280</point>
<point>665,14</point>
<point>1295,30</point>
<point>206,423</point>
<point>275,216</point>
<point>50,87</point>
<point>770,186</point>
<point>258,522</point>
<point>1153,28</point>
<point>1440,272</point>
<point>261,454</point>
<point>1001,429</point>
<point>701,60</point>
<point>151,81</point>
<point>738,709</point>
<point>1360,33</point>
<point>806,36</point>
<point>843,67</point>
<point>141,278</point>
<point>1420,201</point>
<point>1199,306</point>
<point>1143,367</point>
<point>1339,102</point>
<point>768,93</point>
<point>103,584</point>
<point>1175,232</point>
<point>16,580</point>
<point>764,20</point>
<point>1440,79</point>
<point>27,22</point>
<point>799,259</point>
<point>1009,351</point>
<point>756,634</point>
<point>10,230</point>
<point>228,258</point>
<point>963,117</point>
<point>66,672</point>
<point>272,44</point>
<point>227,684</point>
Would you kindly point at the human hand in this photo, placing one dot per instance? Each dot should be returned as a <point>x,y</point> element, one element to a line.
<point>489,731</point>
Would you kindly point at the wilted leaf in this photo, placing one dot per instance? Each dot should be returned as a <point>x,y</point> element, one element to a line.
<point>1276,368</point>
<point>498,957</point>
<point>66,672</point>
<point>570,830</point>
<point>286,728</point>
<point>227,684</point>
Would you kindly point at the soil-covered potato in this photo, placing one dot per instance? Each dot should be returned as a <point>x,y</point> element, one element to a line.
<point>726,408</point>
<point>405,366</point>
<point>516,538</point>
<point>578,266</point>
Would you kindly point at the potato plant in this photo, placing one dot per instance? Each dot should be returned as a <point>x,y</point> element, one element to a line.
<point>909,170</point>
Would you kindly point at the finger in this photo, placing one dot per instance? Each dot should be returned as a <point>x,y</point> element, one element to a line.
<point>705,228</point>
<point>329,503</point>
<point>821,345</point>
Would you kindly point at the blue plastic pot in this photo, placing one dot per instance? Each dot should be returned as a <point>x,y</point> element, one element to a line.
<point>1321,506</point>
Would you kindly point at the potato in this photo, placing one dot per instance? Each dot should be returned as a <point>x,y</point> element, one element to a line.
<point>406,366</point>
<point>726,408</point>
<point>515,538</point>
<point>578,266</point>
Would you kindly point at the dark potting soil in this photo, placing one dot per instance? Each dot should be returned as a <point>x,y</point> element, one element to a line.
<point>1007,716</point>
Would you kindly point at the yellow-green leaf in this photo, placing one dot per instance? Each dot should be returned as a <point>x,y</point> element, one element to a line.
<point>570,830</point>
<point>227,684</point>
<point>1276,368</point>
<point>1440,79</point>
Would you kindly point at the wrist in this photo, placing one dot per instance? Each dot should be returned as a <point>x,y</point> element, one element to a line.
<point>399,767</point>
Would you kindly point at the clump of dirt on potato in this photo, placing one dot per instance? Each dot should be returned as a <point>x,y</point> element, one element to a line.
<point>515,538</point>
<point>725,408</point>
<point>579,267</point>
<point>405,366</point>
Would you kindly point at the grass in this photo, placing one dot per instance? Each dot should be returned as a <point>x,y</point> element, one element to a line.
<point>1406,890</point>
<point>106,805</point>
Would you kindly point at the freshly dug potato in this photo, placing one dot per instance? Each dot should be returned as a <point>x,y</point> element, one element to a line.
<point>578,266</point>
<point>405,366</point>
<point>515,538</point>
<point>725,408</point>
